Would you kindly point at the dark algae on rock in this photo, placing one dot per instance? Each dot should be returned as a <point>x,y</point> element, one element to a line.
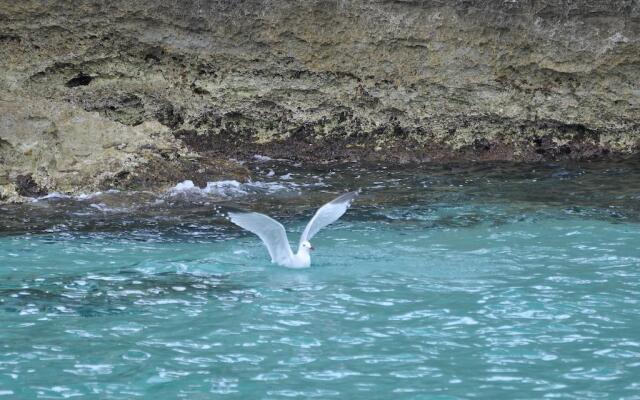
<point>129,94</point>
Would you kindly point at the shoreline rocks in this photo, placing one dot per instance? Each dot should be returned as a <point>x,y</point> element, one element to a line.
<point>140,94</point>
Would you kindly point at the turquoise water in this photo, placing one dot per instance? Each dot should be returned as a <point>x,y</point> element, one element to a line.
<point>443,282</point>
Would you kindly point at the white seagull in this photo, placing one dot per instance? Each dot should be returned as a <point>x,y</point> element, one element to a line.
<point>274,236</point>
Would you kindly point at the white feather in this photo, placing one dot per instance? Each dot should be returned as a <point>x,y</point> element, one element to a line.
<point>327,214</point>
<point>274,236</point>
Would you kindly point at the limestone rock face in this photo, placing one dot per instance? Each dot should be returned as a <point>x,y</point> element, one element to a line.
<point>90,89</point>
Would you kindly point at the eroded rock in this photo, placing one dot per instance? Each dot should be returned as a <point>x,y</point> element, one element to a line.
<point>313,80</point>
<point>27,187</point>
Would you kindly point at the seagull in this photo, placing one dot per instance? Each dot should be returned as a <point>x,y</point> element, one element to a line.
<point>274,236</point>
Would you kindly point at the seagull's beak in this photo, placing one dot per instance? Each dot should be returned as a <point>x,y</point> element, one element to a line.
<point>312,248</point>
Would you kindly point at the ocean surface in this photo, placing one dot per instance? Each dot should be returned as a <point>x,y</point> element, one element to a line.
<point>491,281</point>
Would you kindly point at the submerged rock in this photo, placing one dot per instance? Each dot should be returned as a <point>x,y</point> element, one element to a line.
<point>92,92</point>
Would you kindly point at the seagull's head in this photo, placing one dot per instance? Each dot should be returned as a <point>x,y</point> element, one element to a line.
<point>307,245</point>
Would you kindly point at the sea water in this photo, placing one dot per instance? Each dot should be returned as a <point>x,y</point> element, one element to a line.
<point>441,282</point>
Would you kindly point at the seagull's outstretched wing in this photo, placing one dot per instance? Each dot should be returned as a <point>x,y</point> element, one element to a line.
<point>328,214</point>
<point>269,230</point>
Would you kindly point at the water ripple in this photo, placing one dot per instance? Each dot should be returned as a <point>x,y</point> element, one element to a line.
<point>464,281</point>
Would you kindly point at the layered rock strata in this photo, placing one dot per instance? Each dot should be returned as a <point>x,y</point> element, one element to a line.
<point>140,94</point>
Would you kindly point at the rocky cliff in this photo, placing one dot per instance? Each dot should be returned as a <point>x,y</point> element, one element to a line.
<point>143,93</point>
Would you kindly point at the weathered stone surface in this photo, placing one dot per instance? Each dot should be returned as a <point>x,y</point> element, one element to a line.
<point>317,80</point>
<point>8,193</point>
<point>49,145</point>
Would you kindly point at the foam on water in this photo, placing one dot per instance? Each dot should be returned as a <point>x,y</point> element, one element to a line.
<point>231,188</point>
<point>81,196</point>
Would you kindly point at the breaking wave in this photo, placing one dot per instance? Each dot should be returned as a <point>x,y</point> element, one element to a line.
<point>232,188</point>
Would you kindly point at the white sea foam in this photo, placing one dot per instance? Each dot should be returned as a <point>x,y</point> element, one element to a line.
<point>81,196</point>
<point>53,195</point>
<point>104,208</point>
<point>232,188</point>
<point>183,186</point>
<point>56,195</point>
<point>226,188</point>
